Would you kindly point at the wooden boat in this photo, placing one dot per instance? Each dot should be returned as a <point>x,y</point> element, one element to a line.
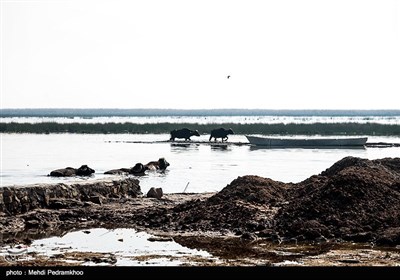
<point>307,142</point>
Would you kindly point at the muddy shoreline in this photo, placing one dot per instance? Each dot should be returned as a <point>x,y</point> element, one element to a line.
<point>347,215</point>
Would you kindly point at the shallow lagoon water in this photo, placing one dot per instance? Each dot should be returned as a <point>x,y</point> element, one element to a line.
<point>28,158</point>
<point>126,246</point>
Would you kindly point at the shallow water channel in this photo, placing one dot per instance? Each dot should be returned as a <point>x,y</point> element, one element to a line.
<point>100,246</point>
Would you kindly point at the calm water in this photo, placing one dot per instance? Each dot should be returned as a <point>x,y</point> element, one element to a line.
<point>211,119</point>
<point>28,158</point>
<point>125,244</point>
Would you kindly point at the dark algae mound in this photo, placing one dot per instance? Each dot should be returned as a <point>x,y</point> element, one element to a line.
<point>247,204</point>
<point>358,200</point>
<point>355,199</point>
<point>253,189</point>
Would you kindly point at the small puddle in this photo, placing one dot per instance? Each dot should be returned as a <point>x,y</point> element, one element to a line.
<point>100,246</point>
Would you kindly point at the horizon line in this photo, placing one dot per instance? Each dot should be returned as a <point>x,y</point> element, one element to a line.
<point>194,109</point>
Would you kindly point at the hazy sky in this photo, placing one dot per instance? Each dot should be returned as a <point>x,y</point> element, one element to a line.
<point>280,54</point>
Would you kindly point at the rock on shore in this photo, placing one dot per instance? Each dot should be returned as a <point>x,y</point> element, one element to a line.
<point>16,200</point>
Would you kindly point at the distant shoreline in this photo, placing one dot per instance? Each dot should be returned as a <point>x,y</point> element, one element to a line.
<point>102,112</point>
<point>345,129</point>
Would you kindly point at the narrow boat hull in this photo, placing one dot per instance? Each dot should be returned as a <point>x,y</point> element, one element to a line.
<point>307,142</point>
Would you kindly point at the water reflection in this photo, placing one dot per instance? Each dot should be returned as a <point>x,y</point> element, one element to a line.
<point>184,147</point>
<point>220,147</point>
<point>127,247</point>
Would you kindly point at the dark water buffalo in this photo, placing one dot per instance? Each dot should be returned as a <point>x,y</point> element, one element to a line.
<point>160,165</point>
<point>183,133</point>
<point>84,170</point>
<point>138,169</point>
<point>220,133</point>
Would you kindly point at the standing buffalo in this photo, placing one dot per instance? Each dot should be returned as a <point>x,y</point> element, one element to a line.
<point>84,170</point>
<point>220,133</point>
<point>183,133</point>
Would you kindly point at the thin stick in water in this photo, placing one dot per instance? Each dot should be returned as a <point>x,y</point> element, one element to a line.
<point>186,187</point>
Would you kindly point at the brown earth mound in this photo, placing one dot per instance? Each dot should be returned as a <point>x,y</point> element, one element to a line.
<point>247,204</point>
<point>355,199</point>
<point>358,200</point>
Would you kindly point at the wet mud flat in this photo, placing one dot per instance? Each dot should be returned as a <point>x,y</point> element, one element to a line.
<point>349,215</point>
